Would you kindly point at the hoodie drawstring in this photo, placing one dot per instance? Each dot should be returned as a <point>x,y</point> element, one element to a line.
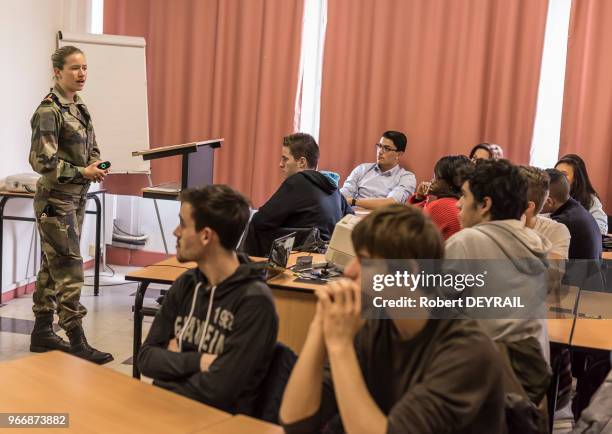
<point>210,303</point>
<point>180,336</point>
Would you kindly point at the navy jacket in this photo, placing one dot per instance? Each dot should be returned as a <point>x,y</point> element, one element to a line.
<point>307,199</point>
<point>586,238</point>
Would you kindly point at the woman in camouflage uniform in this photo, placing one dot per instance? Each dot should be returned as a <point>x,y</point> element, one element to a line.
<point>64,151</point>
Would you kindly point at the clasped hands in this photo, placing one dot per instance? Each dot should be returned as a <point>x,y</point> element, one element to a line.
<point>338,313</point>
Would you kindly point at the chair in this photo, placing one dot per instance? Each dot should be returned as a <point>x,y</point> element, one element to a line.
<point>274,383</point>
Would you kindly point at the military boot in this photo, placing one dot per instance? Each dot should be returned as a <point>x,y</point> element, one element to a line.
<point>43,337</point>
<point>80,348</point>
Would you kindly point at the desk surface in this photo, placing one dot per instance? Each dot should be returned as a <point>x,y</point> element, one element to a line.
<point>168,270</point>
<point>593,333</point>
<point>96,398</point>
<point>241,424</point>
<point>607,255</point>
<point>559,330</point>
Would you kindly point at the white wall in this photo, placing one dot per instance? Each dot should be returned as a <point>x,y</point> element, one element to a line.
<point>27,39</point>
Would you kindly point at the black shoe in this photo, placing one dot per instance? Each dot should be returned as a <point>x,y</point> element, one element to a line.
<point>43,337</point>
<point>80,348</point>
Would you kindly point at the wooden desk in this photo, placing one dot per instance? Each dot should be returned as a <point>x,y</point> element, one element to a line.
<point>241,424</point>
<point>7,195</point>
<point>97,399</point>
<point>560,330</point>
<point>295,302</point>
<point>593,334</point>
<point>594,303</point>
<point>607,255</point>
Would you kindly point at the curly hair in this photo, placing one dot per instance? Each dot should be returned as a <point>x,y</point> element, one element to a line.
<point>501,181</point>
<point>452,170</point>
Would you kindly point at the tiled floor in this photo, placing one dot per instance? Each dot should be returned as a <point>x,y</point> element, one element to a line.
<point>108,324</point>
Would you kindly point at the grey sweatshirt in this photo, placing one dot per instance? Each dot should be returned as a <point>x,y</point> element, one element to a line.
<point>525,252</point>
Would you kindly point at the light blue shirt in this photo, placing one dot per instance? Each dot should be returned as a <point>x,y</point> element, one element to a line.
<point>366,181</point>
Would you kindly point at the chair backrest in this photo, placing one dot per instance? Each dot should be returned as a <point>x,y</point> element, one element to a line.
<point>273,386</point>
<point>241,241</point>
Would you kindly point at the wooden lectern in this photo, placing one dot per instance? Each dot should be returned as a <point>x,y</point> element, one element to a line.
<point>197,167</point>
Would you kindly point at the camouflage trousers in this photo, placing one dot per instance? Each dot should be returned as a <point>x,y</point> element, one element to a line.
<point>60,279</point>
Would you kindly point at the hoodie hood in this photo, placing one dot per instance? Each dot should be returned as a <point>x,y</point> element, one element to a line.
<point>526,248</point>
<point>320,180</point>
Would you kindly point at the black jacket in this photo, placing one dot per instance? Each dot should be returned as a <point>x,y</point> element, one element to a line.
<point>242,330</point>
<point>586,238</point>
<point>307,199</point>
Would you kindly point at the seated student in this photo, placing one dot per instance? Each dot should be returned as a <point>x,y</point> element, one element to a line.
<point>538,184</point>
<point>493,202</point>
<point>439,197</point>
<point>486,151</point>
<point>573,167</point>
<point>410,375</point>
<point>213,337</point>
<point>373,185</point>
<point>306,199</point>
<point>585,240</point>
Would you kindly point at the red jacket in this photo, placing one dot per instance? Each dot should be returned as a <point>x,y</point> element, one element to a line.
<point>443,212</point>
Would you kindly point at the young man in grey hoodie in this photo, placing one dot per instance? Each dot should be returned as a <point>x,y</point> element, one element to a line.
<point>494,198</point>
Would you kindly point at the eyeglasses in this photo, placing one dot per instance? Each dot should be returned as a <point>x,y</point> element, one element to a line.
<point>385,148</point>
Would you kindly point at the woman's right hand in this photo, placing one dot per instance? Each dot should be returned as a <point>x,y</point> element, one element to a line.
<point>422,190</point>
<point>94,173</point>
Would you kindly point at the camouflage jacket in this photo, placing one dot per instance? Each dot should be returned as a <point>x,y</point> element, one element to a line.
<point>63,142</point>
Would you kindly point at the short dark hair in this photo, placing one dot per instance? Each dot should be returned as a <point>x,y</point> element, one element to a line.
<point>484,146</point>
<point>398,138</point>
<point>538,184</point>
<point>503,183</point>
<point>559,185</point>
<point>413,236</point>
<point>581,189</point>
<point>452,169</point>
<point>58,58</point>
<point>220,208</point>
<point>303,145</point>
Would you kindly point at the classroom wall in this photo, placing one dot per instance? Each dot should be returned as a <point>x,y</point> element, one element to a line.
<point>27,39</point>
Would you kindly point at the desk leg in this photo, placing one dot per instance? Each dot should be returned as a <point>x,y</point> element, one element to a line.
<point>97,251</point>
<point>138,300</point>
<point>2,204</point>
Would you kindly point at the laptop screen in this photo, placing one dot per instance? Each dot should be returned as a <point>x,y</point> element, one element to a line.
<point>281,249</point>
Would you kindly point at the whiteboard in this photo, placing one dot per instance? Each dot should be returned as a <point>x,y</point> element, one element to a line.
<point>116,95</point>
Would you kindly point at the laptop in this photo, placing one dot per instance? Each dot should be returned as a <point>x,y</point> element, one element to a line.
<point>279,255</point>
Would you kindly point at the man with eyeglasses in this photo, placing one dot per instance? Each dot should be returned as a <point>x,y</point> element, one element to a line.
<point>374,185</point>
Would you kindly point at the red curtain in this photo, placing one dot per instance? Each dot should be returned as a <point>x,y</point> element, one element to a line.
<point>447,73</point>
<point>586,125</point>
<point>218,69</point>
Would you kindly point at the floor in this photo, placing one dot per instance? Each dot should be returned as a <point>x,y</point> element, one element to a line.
<point>109,325</point>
